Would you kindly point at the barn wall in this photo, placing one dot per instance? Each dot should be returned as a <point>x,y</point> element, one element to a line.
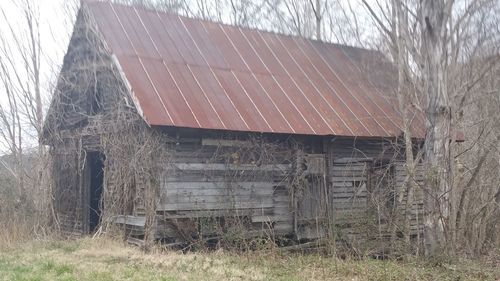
<point>364,178</point>
<point>88,91</point>
<point>66,193</point>
<point>214,185</point>
<point>70,176</point>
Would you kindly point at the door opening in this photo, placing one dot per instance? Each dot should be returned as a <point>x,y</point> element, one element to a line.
<point>96,165</point>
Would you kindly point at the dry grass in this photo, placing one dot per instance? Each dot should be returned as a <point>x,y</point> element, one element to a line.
<point>14,233</point>
<point>104,259</point>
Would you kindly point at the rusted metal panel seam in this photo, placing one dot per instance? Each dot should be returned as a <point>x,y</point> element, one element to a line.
<point>279,85</point>
<point>213,73</point>
<point>167,69</point>
<point>196,80</point>
<point>142,64</point>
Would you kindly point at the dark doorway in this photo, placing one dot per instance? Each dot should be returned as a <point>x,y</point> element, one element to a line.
<point>95,161</point>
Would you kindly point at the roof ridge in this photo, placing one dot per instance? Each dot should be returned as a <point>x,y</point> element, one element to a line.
<point>150,9</point>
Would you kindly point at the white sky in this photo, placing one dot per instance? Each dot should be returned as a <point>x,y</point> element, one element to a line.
<point>56,19</point>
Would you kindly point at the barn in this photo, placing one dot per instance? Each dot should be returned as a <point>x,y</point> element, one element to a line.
<point>177,129</point>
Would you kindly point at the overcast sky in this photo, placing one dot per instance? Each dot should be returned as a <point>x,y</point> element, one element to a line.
<point>56,20</point>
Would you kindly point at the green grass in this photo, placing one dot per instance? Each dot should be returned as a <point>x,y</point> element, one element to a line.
<point>103,259</point>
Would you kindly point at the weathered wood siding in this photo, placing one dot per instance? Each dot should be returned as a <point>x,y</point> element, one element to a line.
<point>68,194</point>
<point>361,193</point>
<point>205,179</point>
<point>337,188</point>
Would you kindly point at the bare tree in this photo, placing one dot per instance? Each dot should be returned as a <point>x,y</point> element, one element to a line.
<point>174,6</point>
<point>22,112</point>
<point>20,72</point>
<point>433,42</point>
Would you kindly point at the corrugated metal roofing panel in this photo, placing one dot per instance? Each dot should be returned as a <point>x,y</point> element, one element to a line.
<point>149,102</point>
<point>198,74</point>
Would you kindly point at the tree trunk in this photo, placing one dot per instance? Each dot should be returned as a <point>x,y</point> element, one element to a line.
<point>438,122</point>
<point>317,13</point>
<point>404,99</point>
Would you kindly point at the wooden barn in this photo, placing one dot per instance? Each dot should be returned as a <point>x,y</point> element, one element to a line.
<point>174,129</point>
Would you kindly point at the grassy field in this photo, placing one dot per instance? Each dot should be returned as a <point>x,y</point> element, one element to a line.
<point>103,259</point>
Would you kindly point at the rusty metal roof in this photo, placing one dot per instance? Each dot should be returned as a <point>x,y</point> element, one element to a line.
<point>193,73</point>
